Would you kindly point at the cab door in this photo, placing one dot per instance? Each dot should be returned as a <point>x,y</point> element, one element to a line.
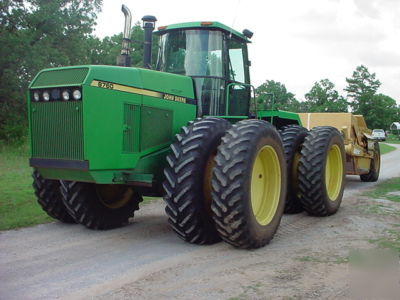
<point>238,88</point>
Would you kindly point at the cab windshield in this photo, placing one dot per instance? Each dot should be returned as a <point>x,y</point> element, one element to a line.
<point>193,52</point>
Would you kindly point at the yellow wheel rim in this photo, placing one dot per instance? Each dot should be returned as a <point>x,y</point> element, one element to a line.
<point>334,172</point>
<point>114,195</point>
<point>265,185</point>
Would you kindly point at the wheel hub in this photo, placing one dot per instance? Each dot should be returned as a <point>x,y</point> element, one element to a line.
<point>333,172</point>
<point>265,185</point>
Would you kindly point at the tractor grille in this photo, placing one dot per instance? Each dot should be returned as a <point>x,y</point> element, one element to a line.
<point>60,77</point>
<point>57,130</point>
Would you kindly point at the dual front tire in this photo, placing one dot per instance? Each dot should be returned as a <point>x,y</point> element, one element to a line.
<point>249,184</point>
<point>187,183</point>
<point>100,206</point>
<point>226,182</point>
<point>95,206</point>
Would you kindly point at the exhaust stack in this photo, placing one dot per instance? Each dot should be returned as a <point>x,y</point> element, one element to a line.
<point>149,23</point>
<point>124,60</point>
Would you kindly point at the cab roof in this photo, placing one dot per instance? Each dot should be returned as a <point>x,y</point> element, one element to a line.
<point>202,25</point>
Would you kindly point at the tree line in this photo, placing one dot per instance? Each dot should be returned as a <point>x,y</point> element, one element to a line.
<point>362,98</point>
<point>37,34</point>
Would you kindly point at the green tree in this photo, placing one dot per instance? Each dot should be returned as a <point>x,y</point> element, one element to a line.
<point>35,34</point>
<point>361,88</point>
<point>383,112</point>
<point>105,51</point>
<point>272,90</point>
<point>378,110</point>
<point>324,98</point>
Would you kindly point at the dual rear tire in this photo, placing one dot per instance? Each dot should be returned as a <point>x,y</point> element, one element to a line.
<point>321,171</point>
<point>293,137</point>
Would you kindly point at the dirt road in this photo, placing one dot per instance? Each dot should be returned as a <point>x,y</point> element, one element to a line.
<point>145,260</point>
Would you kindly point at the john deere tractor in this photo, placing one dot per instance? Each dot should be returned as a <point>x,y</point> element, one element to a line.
<point>189,130</point>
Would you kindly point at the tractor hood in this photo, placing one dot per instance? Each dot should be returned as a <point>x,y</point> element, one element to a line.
<point>94,123</point>
<point>118,78</point>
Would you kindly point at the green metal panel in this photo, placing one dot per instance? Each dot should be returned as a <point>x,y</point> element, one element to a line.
<point>58,77</point>
<point>284,116</point>
<point>130,139</point>
<point>214,25</point>
<point>105,128</point>
<point>167,83</point>
<point>156,127</point>
<point>57,130</point>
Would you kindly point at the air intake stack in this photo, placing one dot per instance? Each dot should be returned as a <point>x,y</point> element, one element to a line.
<point>149,23</point>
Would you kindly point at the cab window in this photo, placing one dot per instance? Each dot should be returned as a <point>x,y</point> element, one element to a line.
<point>236,58</point>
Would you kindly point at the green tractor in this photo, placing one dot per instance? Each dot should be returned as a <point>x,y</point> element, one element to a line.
<point>189,130</point>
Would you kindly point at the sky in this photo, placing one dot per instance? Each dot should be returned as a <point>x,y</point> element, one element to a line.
<point>295,42</point>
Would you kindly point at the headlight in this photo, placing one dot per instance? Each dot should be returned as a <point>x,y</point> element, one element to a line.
<point>36,96</point>
<point>77,94</point>
<point>46,96</point>
<point>65,95</point>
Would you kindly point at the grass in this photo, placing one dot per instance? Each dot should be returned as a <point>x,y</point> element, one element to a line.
<point>383,210</point>
<point>383,190</point>
<point>248,292</point>
<point>391,237</point>
<point>392,139</point>
<point>18,206</point>
<point>386,148</point>
<point>334,259</point>
<point>390,240</point>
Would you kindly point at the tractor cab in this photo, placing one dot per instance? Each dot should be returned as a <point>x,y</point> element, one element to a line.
<point>216,57</point>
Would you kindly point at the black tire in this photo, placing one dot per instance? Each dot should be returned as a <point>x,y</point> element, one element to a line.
<point>293,138</point>
<point>187,184</point>
<point>240,151</point>
<point>49,197</point>
<point>375,166</point>
<point>87,205</point>
<point>317,199</point>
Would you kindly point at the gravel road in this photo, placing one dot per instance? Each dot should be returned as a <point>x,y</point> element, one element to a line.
<point>146,260</point>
